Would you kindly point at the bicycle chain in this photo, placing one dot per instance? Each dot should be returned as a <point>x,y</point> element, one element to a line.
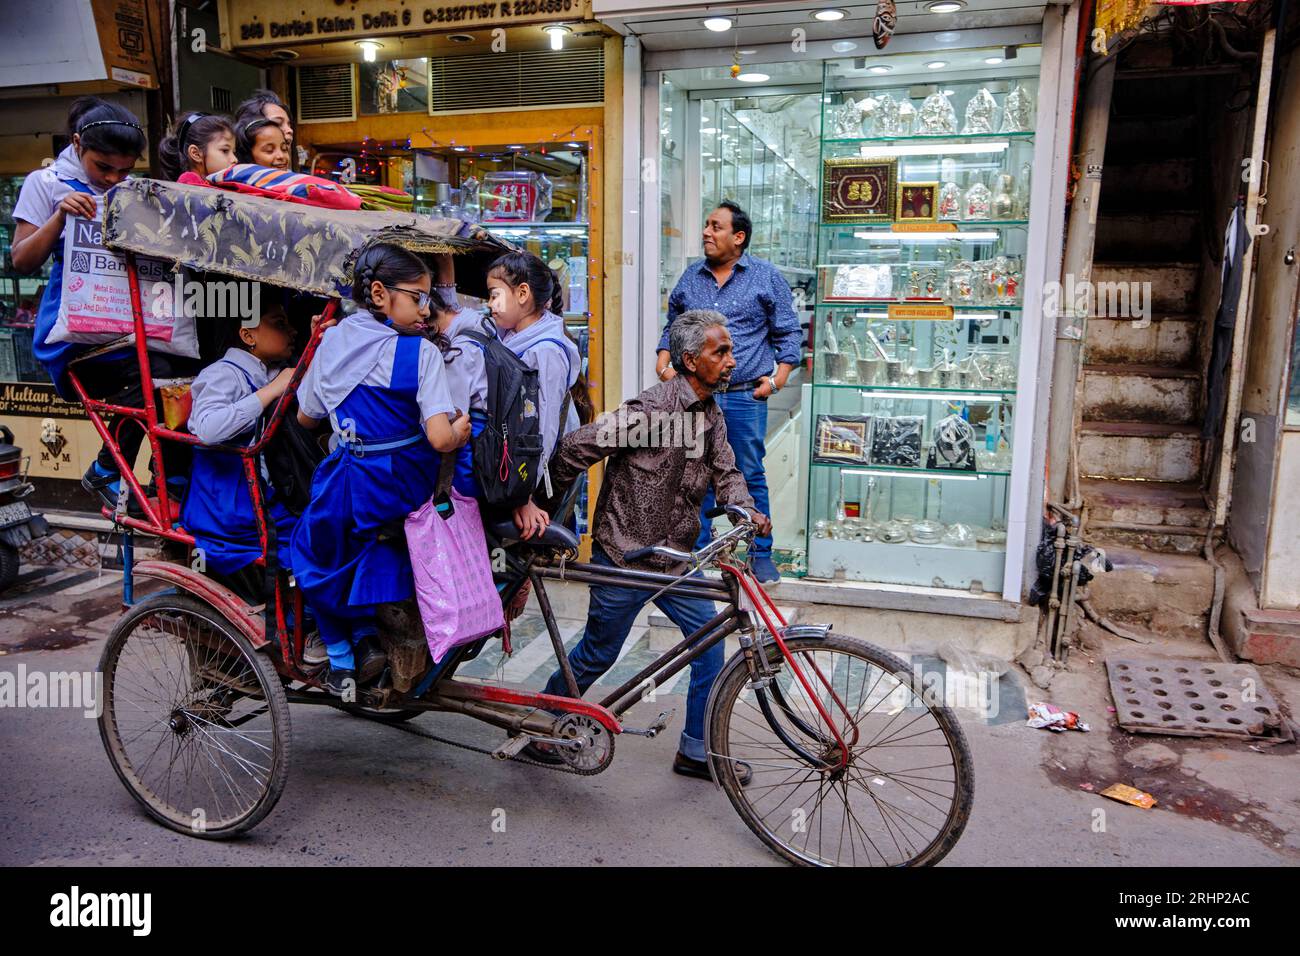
<point>562,768</point>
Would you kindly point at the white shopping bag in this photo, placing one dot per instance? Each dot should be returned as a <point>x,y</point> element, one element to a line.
<point>95,308</point>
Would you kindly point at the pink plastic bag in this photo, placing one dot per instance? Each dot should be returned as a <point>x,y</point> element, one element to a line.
<point>458,599</point>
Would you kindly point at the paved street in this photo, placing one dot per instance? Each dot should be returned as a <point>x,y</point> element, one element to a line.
<point>362,793</point>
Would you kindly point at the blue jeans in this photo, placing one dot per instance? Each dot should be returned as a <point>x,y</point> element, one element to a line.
<point>746,418</point>
<point>609,621</point>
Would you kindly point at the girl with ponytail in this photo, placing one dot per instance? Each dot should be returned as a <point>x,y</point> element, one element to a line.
<point>383,386</point>
<point>200,145</point>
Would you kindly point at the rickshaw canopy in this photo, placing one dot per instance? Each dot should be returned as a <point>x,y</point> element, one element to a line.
<point>307,248</point>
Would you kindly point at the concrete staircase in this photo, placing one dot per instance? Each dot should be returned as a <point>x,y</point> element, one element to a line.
<point>1139,449</point>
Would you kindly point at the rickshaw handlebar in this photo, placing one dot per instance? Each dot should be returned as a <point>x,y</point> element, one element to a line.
<point>742,528</point>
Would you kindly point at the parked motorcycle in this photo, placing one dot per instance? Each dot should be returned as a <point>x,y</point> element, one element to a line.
<point>18,523</point>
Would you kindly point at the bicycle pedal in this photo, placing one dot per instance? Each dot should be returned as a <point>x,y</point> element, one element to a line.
<point>654,729</point>
<point>511,747</point>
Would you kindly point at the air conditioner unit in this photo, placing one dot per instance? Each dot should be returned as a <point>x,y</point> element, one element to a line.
<point>327,94</point>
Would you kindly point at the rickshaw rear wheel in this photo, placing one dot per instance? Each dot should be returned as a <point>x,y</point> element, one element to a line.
<point>195,721</point>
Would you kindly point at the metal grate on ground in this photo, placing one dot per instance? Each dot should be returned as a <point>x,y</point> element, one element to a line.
<point>1193,699</point>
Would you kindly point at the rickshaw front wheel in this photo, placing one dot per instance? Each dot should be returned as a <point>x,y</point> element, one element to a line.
<point>194,720</point>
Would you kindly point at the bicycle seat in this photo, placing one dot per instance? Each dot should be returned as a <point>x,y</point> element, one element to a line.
<point>556,536</point>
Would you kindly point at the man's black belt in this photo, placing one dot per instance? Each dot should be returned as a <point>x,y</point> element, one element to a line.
<point>749,386</point>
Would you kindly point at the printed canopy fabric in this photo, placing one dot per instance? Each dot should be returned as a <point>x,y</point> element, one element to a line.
<point>287,244</point>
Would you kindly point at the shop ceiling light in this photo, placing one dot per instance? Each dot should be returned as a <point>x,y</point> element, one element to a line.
<point>718,24</point>
<point>945,149</point>
<point>887,393</point>
<point>368,49</point>
<point>514,147</point>
<point>946,6</point>
<point>954,476</point>
<point>982,236</point>
<point>936,64</point>
<point>556,32</point>
<point>708,129</point>
<point>880,69</point>
<point>993,60</point>
<point>829,15</point>
<point>460,149</point>
<point>574,145</point>
<point>753,77</point>
<point>844,46</point>
<point>947,36</point>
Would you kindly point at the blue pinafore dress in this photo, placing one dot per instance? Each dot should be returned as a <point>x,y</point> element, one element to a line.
<point>366,487</point>
<point>218,509</point>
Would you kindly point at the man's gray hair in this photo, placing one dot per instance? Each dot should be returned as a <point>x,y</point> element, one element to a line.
<point>688,332</point>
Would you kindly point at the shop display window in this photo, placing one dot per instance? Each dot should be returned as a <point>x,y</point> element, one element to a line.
<point>922,241</point>
<point>394,86</point>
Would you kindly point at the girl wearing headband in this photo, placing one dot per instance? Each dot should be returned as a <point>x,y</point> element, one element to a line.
<point>262,141</point>
<point>200,145</point>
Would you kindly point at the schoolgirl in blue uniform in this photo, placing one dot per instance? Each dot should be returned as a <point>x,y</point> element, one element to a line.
<point>383,387</point>
<point>520,287</point>
<point>107,142</point>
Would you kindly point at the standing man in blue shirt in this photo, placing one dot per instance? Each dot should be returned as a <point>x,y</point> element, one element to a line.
<point>765,333</point>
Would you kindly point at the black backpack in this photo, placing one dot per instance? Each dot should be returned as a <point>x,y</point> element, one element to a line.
<point>508,452</point>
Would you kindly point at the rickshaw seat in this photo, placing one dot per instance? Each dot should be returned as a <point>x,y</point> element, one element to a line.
<point>556,537</point>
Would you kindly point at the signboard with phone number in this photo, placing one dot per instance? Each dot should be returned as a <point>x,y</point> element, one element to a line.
<point>319,20</point>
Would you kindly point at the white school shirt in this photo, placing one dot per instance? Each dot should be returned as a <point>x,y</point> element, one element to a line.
<point>360,351</point>
<point>223,406</point>
<point>467,370</point>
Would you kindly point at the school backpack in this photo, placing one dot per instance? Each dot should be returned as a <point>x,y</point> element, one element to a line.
<point>508,451</point>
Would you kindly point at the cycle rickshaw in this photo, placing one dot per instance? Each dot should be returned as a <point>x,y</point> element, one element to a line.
<point>852,761</point>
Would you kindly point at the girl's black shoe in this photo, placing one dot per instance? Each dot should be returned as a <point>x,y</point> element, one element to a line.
<point>340,680</point>
<point>371,659</point>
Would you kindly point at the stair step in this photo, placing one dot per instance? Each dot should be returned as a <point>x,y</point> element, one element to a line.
<point>1173,285</point>
<point>1139,429</point>
<point>1152,184</point>
<point>1147,393</point>
<point>1168,340</point>
<point>1140,369</point>
<point>1151,136</point>
<point>1167,593</point>
<point>1139,235</point>
<point>1155,451</point>
<point>1151,515</point>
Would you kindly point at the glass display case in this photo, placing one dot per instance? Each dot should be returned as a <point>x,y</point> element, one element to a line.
<point>921,248</point>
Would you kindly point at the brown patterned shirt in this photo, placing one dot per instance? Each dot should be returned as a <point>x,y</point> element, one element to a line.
<point>665,448</point>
